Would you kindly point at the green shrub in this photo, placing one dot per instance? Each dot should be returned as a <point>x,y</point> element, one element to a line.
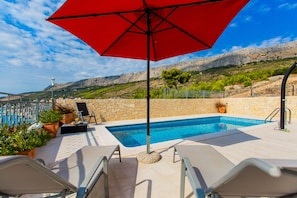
<point>49,116</point>
<point>18,139</point>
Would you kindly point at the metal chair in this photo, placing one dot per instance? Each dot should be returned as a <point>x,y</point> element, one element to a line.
<point>83,112</point>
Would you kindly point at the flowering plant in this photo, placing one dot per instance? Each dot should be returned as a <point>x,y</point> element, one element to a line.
<point>21,138</point>
<point>220,104</point>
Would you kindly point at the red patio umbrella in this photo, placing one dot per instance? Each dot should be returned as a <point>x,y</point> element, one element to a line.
<point>147,29</point>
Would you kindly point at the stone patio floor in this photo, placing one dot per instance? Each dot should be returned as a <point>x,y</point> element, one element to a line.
<point>132,179</point>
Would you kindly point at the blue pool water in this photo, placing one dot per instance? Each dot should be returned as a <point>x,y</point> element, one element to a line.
<point>135,135</point>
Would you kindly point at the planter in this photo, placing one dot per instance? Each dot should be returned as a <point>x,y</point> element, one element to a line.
<point>30,153</point>
<point>52,128</point>
<point>67,118</point>
<point>222,109</point>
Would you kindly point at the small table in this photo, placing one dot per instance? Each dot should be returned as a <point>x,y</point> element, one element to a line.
<point>73,128</point>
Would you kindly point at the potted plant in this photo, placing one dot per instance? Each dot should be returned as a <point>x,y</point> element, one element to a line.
<point>21,140</point>
<point>221,107</point>
<point>50,120</point>
<point>66,112</point>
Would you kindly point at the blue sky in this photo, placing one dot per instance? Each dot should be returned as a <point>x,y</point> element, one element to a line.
<point>32,50</point>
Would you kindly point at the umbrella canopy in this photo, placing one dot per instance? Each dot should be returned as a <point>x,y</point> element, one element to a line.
<point>147,29</point>
<point>118,28</point>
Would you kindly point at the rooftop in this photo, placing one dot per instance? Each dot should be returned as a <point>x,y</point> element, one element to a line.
<point>162,179</point>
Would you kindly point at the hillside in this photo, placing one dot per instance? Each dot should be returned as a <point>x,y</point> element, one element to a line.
<point>263,85</point>
<point>240,57</point>
<point>206,70</point>
<point>271,87</point>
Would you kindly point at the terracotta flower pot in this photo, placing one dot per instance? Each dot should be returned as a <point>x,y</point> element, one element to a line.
<point>222,109</point>
<point>30,153</point>
<point>51,128</point>
<point>67,118</point>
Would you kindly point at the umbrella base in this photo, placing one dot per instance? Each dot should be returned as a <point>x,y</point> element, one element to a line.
<point>148,158</point>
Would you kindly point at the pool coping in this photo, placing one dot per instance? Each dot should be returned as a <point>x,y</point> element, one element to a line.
<point>106,138</point>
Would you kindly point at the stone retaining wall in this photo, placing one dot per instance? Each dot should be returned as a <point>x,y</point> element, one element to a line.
<point>128,109</point>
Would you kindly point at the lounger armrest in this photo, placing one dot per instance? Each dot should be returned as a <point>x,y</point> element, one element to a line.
<point>24,169</point>
<point>94,175</point>
<point>187,170</point>
<point>265,166</point>
<point>80,116</point>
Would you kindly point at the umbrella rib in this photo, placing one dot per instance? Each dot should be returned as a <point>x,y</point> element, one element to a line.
<point>174,26</point>
<point>187,4</point>
<point>92,15</point>
<point>163,18</point>
<point>180,29</point>
<point>142,31</point>
<point>126,12</point>
<point>134,23</point>
<point>192,36</point>
<point>153,30</point>
<point>124,32</point>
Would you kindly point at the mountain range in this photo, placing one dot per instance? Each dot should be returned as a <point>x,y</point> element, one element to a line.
<point>239,57</point>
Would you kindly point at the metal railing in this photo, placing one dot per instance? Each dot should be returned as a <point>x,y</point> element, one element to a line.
<point>174,93</point>
<point>291,90</point>
<point>14,113</point>
<point>275,112</point>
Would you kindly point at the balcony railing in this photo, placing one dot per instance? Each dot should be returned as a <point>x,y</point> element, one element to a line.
<point>14,112</point>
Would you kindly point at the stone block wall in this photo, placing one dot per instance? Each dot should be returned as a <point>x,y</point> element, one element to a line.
<point>260,106</point>
<point>129,109</point>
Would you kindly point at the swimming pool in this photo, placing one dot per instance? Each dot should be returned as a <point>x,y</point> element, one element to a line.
<point>135,135</point>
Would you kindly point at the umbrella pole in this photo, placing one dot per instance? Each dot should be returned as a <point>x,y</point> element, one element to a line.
<point>148,135</point>
<point>148,157</point>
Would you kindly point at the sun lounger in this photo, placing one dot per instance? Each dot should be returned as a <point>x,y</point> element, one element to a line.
<point>211,174</point>
<point>84,173</point>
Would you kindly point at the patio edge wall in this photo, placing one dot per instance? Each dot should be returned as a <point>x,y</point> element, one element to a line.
<point>129,109</point>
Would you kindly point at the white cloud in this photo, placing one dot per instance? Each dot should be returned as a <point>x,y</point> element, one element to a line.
<point>263,44</point>
<point>233,25</point>
<point>248,18</point>
<point>271,42</point>
<point>288,5</point>
<point>33,50</point>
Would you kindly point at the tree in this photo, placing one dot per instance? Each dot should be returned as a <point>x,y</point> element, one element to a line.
<point>174,76</point>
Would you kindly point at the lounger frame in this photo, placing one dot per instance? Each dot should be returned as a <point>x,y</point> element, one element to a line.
<point>23,175</point>
<point>252,177</point>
